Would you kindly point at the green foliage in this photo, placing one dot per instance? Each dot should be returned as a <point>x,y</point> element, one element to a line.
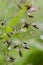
<point>14,33</point>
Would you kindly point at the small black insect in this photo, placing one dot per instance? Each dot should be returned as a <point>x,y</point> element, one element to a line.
<point>12,59</point>
<point>30,16</point>
<point>29,6</point>
<point>26,25</point>
<point>8,42</point>
<point>26,47</point>
<point>15,46</point>
<point>20,53</point>
<point>3,22</point>
<point>24,43</point>
<point>19,7</point>
<point>35,26</point>
<point>9,35</point>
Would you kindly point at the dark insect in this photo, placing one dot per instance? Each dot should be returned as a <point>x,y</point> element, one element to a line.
<point>8,42</point>
<point>29,6</point>
<point>3,23</point>
<point>19,7</point>
<point>15,46</point>
<point>30,16</point>
<point>26,47</point>
<point>12,59</point>
<point>9,35</point>
<point>35,26</point>
<point>20,53</point>
<point>26,25</point>
<point>24,43</point>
